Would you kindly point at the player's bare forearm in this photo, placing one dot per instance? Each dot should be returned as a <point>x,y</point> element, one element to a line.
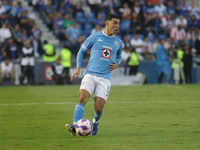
<point>75,74</point>
<point>112,66</point>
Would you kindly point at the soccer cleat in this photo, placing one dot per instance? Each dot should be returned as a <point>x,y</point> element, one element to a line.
<point>95,128</point>
<point>71,128</point>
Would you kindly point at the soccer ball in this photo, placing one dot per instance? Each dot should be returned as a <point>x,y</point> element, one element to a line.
<point>83,127</point>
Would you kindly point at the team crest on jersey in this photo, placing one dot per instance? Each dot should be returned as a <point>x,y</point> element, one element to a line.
<point>116,43</point>
<point>106,53</point>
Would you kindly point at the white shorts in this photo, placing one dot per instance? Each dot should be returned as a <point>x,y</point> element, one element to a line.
<point>100,87</point>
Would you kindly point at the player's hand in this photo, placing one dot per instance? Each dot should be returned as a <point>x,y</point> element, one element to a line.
<point>112,66</point>
<point>75,74</point>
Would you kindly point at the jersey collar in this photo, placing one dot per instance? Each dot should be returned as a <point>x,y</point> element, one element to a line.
<point>106,35</point>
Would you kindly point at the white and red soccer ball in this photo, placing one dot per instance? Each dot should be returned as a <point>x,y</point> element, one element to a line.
<point>83,127</point>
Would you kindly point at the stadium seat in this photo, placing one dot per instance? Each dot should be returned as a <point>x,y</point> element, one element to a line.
<point>151,38</point>
<point>103,14</point>
<point>87,28</point>
<point>91,17</point>
<point>79,26</point>
<point>79,17</point>
<point>125,24</point>
<point>140,36</point>
<point>162,36</point>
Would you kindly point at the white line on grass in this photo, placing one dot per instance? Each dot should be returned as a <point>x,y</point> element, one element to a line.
<point>124,102</point>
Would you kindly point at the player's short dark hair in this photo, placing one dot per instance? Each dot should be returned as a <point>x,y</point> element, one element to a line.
<point>110,16</point>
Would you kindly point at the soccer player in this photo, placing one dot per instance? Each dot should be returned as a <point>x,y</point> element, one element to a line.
<point>105,56</point>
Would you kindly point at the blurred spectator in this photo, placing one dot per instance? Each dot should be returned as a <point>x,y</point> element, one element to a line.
<point>137,44</point>
<point>76,47</point>
<point>125,11</point>
<point>35,34</point>
<point>49,14</point>
<point>2,9</point>
<point>169,47</point>
<point>161,9</point>
<point>158,26</point>
<point>4,33</point>
<point>58,26</point>
<point>24,21</point>
<point>193,10</point>
<point>177,65</point>
<point>115,6</point>
<point>13,10</point>
<point>181,21</point>
<point>24,35</point>
<point>197,41</point>
<point>190,37</point>
<point>7,71</point>
<point>147,55</point>
<point>95,5</point>
<point>148,8</point>
<point>126,48</point>
<point>148,44</point>
<point>12,49</point>
<point>65,57</point>
<point>68,6</point>
<point>171,8</point>
<point>138,9</point>
<point>126,51</point>
<point>67,22</point>
<point>49,52</point>
<point>155,44</point>
<point>178,35</point>
<point>149,25</point>
<point>133,63</point>
<point>136,24</point>
<point>77,8</point>
<point>162,62</point>
<point>181,8</point>
<point>58,72</point>
<point>4,19</point>
<point>170,23</point>
<point>99,20</point>
<point>72,35</point>
<point>27,63</point>
<point>39,5</point>
<point>193,22</point>
<point>187,60</point>
<point>17,33</point>
<point>96,29</point>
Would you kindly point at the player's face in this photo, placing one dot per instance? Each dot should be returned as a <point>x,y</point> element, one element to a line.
<point>114,26</point>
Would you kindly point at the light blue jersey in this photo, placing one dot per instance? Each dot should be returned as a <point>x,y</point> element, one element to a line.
<point>104,51</point>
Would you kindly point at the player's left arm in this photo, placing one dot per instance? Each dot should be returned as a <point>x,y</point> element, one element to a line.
<point>118,59</point>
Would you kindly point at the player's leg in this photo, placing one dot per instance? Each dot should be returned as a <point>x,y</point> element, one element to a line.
<point>80,106</point>
<point>100,97</point>
<point>86,89</point>
<point>78,111</point>
<point>98,112</point>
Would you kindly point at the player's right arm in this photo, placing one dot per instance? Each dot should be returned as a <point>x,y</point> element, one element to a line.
<point>84,48</point>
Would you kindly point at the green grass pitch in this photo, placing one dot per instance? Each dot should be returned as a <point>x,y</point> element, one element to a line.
<point>148,117</point>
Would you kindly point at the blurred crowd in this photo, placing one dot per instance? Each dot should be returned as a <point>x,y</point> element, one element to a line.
<point>144,23</point>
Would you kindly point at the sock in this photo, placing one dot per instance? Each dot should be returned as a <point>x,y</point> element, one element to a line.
<point>97,117</point>
<point>78,112</point>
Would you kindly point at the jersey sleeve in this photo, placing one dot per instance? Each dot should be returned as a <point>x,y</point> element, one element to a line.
<point>119,55</point>
<point>87,44</point>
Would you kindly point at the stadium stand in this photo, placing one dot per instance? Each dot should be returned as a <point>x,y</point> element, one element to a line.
<point>21,15</point>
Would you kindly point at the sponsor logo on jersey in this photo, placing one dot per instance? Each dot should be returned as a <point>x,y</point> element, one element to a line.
<point>106,53</point>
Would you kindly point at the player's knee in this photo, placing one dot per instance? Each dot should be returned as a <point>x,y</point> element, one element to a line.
<point>83,99</point>
<point>98,109</point>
